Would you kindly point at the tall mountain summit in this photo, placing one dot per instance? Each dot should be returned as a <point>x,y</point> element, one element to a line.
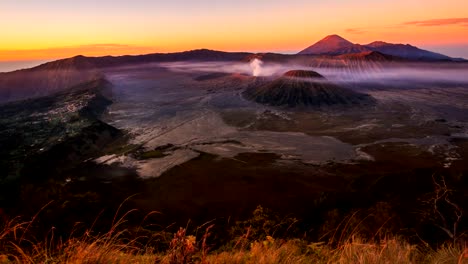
<point>336,45</point>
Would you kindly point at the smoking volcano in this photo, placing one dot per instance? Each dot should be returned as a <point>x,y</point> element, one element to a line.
<point>308,89</point>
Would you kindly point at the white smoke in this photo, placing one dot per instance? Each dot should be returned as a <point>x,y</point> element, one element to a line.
<point>392,73</point>
<point>256,66</point>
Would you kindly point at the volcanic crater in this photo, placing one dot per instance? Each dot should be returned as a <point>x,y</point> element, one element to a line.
<point>305,89</point>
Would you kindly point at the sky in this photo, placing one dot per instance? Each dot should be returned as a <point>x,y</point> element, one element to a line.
<point>40,30</point>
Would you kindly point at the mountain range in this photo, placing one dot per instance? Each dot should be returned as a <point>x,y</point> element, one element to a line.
<point>335,45</point>
<point>330,52</point>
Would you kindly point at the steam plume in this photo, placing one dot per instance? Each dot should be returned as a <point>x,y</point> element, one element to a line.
<point>256,66</point>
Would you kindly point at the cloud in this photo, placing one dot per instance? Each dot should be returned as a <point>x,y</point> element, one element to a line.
<point>355,31</point>
<point>439,22</point>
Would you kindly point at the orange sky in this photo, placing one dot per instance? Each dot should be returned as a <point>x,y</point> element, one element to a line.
<point>49,29</point>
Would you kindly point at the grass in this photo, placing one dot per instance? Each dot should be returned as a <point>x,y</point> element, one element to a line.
<point>123,243</point>
<point>114,247</point>
<point>110,250</point>
<point>354,251</point>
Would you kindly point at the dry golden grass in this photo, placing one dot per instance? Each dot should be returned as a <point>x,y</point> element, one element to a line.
<point>288,252</point>
<point>449,254</point>
<point>104,250</point>
<point>391,251</point>
<point>388,251</point>
<point>111,247</point>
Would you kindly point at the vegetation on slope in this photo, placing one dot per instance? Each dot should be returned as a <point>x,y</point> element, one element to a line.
<point>251,241</point>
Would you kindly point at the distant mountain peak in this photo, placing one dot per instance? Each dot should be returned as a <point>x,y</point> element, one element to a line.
<point>334,45</point>
<point>334,41</point>
<point>335,37</point>
<point>405,51</point>
<point>377,43</point>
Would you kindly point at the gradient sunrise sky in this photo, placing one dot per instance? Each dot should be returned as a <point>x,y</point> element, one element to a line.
<point>50,29</point>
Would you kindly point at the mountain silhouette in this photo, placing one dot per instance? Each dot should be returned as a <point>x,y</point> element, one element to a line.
<point>336,45</point>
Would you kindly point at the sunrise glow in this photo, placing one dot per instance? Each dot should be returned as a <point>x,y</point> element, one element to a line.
<point>49,29</point>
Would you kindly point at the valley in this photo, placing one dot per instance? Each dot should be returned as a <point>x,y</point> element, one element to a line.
<point>247,132</point>
<point>314,137</point>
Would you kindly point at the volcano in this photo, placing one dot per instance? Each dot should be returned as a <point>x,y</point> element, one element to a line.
<point>406,51</point>
<point>305,89</point>
<point>334,45</point>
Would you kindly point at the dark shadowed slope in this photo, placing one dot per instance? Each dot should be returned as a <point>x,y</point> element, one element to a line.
<point>58,75</point>
<point>62,128</point>
<point>304,89</point>
<point>46,79</point>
